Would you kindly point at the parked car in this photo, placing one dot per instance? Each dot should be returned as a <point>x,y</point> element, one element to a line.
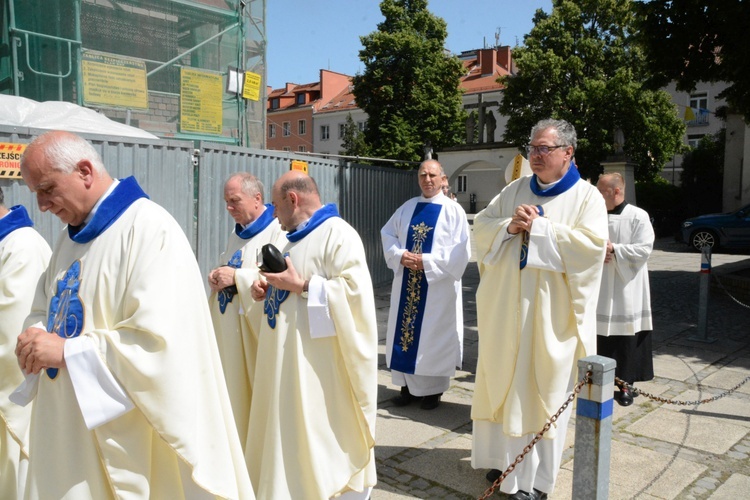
<point>729,230</point>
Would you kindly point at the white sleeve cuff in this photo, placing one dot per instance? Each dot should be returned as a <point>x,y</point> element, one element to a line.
<point>318,313</point>
<point>100,397</point>
<point>543,252</point>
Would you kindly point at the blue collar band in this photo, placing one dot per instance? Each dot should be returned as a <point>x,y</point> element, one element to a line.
<point>17,218</point>
<point>321,215</point>
<point>568,181</point>
<point>124,195</point>
<point>257,225</point>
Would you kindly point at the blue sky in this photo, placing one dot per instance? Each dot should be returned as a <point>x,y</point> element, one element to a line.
<point>305,36</point>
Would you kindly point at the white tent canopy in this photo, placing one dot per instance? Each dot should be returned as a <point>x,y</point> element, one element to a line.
<point>58,115</point>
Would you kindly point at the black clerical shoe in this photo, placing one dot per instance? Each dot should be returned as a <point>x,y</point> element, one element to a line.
<point>626,397</point>
<point>404,398</point>
<point>535,494</point>
<point>431,402</point>
<point>493,475</point>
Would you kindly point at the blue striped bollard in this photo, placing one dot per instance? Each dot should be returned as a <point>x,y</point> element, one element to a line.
<point>593,442</point>
<point>703,294</point>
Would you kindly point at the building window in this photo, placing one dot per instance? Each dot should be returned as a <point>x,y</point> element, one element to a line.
<point>694,139</point>
<point>361,126</point>
<point>275,103</point>
<point>286,129</point>
<point>302,127</point>
<point>272,131</point>
<point>698,112</point>
<point>461,184</point>
<point>325,132</point>
<point>300,98</point>
<point>302,149</point>
<point>342,129</point>
<point>286,148</point>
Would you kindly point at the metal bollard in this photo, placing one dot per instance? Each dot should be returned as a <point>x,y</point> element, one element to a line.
<point>593,442</point>
<point>705,287</point>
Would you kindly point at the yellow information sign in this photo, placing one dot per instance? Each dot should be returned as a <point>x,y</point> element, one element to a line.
<point>201,94</point>
<point>10,160</point>
<point>115,81</point>
<point>251,87</point>
<point>299,165</point>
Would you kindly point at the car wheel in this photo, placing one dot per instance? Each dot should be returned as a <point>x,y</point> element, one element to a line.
<point>703,237</point>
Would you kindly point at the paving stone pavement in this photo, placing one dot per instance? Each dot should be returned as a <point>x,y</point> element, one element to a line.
<point>659,451</point>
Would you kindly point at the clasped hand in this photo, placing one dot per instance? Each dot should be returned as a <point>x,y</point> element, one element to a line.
<point>37,349</point>
<point>523,217</point>
<point>412,260</point>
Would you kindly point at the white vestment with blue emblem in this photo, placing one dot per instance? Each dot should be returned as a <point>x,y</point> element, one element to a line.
<point>143,308</point>
<point>534,324</point>
<point>312,418</point>
<point>236,325</point>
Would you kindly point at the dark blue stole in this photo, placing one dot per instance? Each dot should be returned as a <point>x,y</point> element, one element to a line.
<point>414,289</point>
<point>17,218</point>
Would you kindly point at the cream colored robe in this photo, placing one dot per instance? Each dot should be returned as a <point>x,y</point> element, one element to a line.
<point>236,327</point>
<point>312,419</point>
<point>534,324</point>
<point>23,258</point>
<point>624,306</point>
<point>145,309</point>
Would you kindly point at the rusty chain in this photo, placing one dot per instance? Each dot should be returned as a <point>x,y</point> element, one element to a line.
<point>620,383</point>
<point>576,390</point>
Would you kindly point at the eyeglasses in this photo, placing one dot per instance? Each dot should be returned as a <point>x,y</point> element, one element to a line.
<point>542,150</point>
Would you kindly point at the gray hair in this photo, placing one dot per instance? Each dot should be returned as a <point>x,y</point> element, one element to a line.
<point>566,132</point>
<point>249,184</point>
<point>301,184</point>
<point>63,151</point>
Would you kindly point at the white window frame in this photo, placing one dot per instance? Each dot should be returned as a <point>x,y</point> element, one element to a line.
<point>271,130</point>
<point>301,127</point>
<point>342,130</point>
<point>325,132</point>
<point>286,129</point>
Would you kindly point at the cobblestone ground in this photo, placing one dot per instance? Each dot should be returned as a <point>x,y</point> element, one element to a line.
<point>658,450</point>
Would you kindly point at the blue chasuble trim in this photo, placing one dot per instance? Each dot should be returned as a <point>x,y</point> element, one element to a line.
<point>568,181</point>
<point>122,196</point>
<point>17,218</point>
<point>321,215</point>
<point>414,289</point>
<point>225,296</point>
<point>257,225</point>
<point>66,309</point>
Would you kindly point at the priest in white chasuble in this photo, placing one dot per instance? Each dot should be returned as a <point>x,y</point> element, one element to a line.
<point>312,419</point>
<point>119,352</point>
<point>24,255</point>
<point>426,244</point>
<point>540,248</point>
<point>234,313</point>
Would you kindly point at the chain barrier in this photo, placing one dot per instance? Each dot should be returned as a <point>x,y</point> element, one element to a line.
<point>621,383</point>
<point>727,292</point>
<point>576,390</point>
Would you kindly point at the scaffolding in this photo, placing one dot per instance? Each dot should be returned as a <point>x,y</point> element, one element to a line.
<point>187,69</point>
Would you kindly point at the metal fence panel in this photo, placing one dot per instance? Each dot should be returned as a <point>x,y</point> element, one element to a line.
<point>163,168</point>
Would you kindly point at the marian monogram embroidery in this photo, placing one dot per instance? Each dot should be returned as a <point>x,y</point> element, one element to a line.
<point>413,288</point>
<point>66,309</point>
<point>272,304</point>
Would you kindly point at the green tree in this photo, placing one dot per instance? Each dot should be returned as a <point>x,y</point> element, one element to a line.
<point>579,64</point>
<point>354,140</point>
<point>703,174</point>
<point>691,41</point>
<point>410,85</point>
